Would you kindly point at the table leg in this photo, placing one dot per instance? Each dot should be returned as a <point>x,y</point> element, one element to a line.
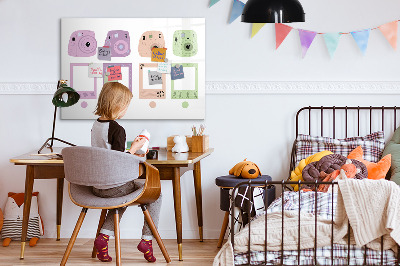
<point>176,182</point>
<point>27,206</point>
<point>199,204</point>
<point>60,190</point>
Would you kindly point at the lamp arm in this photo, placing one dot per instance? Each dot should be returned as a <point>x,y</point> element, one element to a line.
<point>54,126</point>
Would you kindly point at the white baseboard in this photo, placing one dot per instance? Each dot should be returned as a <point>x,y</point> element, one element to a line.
<point>250,87</point>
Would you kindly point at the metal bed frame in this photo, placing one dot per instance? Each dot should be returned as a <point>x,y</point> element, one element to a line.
<point>284,183</point>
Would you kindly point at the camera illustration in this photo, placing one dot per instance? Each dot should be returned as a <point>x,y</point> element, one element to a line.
<point>82,43</point>
<point>119,42</point>
<point>185,43</point>
<point>150,40</point>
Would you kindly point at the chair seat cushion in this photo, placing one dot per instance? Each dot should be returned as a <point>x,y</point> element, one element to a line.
<point>83,195</point>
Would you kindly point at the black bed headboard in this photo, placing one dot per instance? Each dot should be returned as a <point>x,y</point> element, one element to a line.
<point>344,121</point>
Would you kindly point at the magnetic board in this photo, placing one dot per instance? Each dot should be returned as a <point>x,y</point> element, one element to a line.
<point>139,53</point>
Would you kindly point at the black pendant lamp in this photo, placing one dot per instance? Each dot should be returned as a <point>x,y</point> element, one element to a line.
<point>273,11</point>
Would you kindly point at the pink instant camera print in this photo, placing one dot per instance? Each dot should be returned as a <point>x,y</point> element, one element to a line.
<point>150,40</point>
<point>82,43</point>
<point>119,42</point>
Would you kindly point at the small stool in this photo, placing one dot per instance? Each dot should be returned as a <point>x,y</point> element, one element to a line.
<point>226,183</point>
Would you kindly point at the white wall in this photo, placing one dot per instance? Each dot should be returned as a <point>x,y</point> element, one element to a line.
<point>259,127</point>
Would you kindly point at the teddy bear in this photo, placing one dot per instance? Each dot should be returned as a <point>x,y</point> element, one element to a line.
<point>180,144</point>
<point>13,215</point>
<point>245,169</point>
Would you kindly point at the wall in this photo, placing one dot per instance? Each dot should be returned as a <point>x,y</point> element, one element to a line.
<point>257,126</point>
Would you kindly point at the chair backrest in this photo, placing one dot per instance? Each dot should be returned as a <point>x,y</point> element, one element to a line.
<point>91,166</point>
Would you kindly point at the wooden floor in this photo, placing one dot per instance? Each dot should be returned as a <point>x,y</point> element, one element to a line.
<point>50,252</point>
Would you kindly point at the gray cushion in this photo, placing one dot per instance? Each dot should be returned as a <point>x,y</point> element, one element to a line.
<point>393,148</point>
<point>83,195</point>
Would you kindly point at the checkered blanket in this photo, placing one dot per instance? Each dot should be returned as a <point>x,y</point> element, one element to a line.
<point>324,206</point>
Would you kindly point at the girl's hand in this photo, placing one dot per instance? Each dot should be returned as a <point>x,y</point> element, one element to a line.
<point>142,155</point>
<point>137,144</point>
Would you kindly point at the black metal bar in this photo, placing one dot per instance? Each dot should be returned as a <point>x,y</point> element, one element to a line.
<point>249,220</point>
<point>333,189</point>
<point>283,210</point>
<point>266,221</point>
<point>381,250</point>
<point>315,222</point>
<point>309,120</point>
<point>322,121</point>
<point>298,226</point>
<point>346,120</point>
<point>348,242</point>
<point>370,119</point>
<point>334,108</point>
<point>233,218</point>
<point>358,121</point>
<point>365,255</point>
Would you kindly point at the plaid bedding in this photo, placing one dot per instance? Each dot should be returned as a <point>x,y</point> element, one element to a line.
<point>372,145</point>
<point>322,207</point>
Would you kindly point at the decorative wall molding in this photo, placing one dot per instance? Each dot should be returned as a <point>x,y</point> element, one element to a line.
<point>251,87</point>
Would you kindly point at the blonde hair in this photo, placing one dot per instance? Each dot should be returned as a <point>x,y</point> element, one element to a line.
<point>113,99</point>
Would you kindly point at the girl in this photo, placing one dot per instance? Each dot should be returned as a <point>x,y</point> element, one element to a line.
<point>112,104</point>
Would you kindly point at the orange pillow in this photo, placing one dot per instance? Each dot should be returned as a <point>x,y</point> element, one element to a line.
<point>375,170</point>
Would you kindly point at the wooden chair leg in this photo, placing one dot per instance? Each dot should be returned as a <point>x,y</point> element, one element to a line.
<point>73,237</point>
<point>154,230</point>
<point>101,222</point>
<point>223,229</point>
<point>117,238</point>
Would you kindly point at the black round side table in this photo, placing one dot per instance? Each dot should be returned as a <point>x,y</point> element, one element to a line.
<point>228,182</point>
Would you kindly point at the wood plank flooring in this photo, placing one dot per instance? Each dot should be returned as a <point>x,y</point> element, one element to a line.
<point>50,252</point>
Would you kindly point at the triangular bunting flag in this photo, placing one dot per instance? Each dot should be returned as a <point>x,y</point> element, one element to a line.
<point>361,37</point>
<point>306,39</point>
<point>213,2</point>
<point>389,30</point>
<point>256,28</point>
<point>281,31</point>
<point>237,9</point>
<point>332,41</point>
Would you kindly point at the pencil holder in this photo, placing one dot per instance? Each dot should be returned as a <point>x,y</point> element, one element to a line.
<point>200,143</point>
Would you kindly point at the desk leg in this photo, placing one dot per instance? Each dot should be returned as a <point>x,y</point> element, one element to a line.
<point>27,206</point>
<point>199,204</point>
<point>60,190</point>
<point>176,182</point>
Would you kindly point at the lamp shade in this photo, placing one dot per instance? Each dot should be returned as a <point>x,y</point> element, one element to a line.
<point>65,96</point>
<point>273,11</point>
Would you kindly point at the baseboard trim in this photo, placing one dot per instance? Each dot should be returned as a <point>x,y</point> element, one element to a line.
<point>250,87</point>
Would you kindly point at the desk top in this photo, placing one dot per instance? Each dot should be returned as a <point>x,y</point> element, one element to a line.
<point>164,157</point>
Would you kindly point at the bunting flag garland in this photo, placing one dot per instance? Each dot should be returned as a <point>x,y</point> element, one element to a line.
<point>213,2</point>
<point>306,39</point>
<point>332,41</point>
<point>256,27</point>
<point>389,30</point>
<point>361,37</point>
<point>237,8</point>
<point>281,31</point>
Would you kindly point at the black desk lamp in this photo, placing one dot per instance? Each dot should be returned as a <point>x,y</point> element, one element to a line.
<point>64,97</point>
<point>273,11</point>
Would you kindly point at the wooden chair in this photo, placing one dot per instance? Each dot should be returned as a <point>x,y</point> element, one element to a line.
<point>85,167</point>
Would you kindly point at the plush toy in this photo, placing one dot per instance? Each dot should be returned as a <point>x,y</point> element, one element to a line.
<point>180,144</point>
<point>13,215</point>
<point>348,170</point>
<point>375,170</point>
<point>296,174</point>
<point>246,169</point>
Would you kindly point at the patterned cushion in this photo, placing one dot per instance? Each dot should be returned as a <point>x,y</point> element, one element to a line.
<point>372,144</point>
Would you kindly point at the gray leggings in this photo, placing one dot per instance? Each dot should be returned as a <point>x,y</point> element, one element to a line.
<point>154,208</point>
